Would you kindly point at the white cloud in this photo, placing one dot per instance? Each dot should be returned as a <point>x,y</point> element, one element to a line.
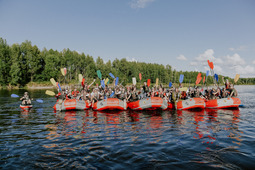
<point>140,3</point>
<point>253,62</point>
<point>182,57</point>
<point>234,60</point>
<point>240,48</point>
<point>131,60</point>
<point>208,55</point>
<point>193,63</point>
<point>246,70</point>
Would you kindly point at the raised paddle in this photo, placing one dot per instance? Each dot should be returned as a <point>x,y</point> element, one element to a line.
<point>39,100</point>
<point>184,89</point>
<point>15,96</point>
<point>236,78</point>
<point>80,78</point>
<point>116,81</point>
<point>99,74</point>
<point>50,93</point>
<point>106,81</point>
<point>181,78</point>
<point>156,81</point>
<point>140,76</point>
<point>149,82</point>
<point>53,82</point>
<point>170,85</point>
<point>112,75</point>
<point>134,81</point>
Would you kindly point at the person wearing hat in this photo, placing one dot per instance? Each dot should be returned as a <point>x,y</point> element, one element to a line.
<point>25,99</point>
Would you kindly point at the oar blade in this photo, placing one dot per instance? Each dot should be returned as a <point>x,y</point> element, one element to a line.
<point>149,82</point>
<point>116,81</point>
<point>106,81</point>
<point>236,78</point>
<point>80,78</point>
<point>140,76</point>
<point>99,74</point>
<point>112,75</point>
<point>14,95</point>
<point>184,89</point>
<point>39,100</point>
<point>134,80</point>
<point>156,81</point>
<point>50,93</point>
<point>53,82</point>
<point>170,84</point>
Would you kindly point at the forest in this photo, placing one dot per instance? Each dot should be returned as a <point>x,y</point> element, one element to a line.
<point>23,63</point>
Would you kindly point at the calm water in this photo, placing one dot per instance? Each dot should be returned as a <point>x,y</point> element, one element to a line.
<point>42,139</point>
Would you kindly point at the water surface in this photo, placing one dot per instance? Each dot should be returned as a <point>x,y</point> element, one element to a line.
<point>89,139</point>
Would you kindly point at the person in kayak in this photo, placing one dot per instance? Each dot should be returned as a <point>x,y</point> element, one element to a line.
<point>26,99</point>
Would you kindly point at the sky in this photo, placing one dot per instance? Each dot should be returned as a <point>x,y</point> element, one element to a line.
<point>181,33</point>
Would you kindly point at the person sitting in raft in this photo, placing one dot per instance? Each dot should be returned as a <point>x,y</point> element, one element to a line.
<point>233,91</point>
<point>145,89</point>
<point>133,96</point>
<point>25,99</point>
<point>227,84</point>
<point>75,93</point>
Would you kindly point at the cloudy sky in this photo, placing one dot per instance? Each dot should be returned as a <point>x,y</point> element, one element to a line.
<point>182,33</point>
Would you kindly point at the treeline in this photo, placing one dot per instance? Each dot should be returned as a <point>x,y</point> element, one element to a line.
<point>24,63</point>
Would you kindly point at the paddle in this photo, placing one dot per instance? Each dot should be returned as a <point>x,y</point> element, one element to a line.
<point>170,84</point>
<point>39,100</point>
<point>149,82</point>
<point>112,94</point>
<point>116,81</point>
<point>106,81</point>
<point>112,75</point>
<point>204,80</point>
<point>59,86</point>
<point>80,78</point>
<point>140,76</point>
<point>199,78</point>
<point>156,82</point>
<point>236,78</point>
<point>50,93</point>
<point>181,78</point>
<point>216,77</point>
<point>82,82</point>
<point>102,83</point>
<point>134,81</point>
<point>53,82</point>
<point>99,74</point>
<point>14,95</point>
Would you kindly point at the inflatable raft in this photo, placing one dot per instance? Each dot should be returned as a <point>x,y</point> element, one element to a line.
<point>151,103</point>
<point>110,104</point>
<point>71,104</point>
<point>26,107</point>
<point>192,103</point>
<point>223,103</point>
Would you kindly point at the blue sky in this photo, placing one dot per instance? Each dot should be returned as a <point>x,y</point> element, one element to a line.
<point>182,33</point>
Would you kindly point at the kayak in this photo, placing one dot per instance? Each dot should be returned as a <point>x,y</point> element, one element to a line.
<point>110,104</point>
<point>151,103</point>
<point>231,102</point>
<point>192,103</point>
<point>25,107</point>
<point>71,104</point>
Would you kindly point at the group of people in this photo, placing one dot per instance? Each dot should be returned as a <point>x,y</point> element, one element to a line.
<point>131,93</point>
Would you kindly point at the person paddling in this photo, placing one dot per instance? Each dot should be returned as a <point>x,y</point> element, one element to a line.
<point>25,99</point>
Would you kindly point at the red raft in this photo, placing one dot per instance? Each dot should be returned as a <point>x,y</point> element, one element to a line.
<point>71,104</point>
<point>151,103</point>
<point>224,103</point>
<point>192,103</point>
<point>110,104</point>
<point>26,107</point>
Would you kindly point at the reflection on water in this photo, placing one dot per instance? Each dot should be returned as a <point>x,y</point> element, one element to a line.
<point>129,139</point>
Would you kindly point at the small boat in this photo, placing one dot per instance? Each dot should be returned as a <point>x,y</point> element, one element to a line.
<point>231,102</point>
<point>71,104</point>
<point>26,107</point>
<point>192,103</point>
<point>151,103</point>
<point>110,104</point>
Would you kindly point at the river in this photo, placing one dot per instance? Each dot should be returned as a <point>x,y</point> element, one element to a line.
<point>207,139</point>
